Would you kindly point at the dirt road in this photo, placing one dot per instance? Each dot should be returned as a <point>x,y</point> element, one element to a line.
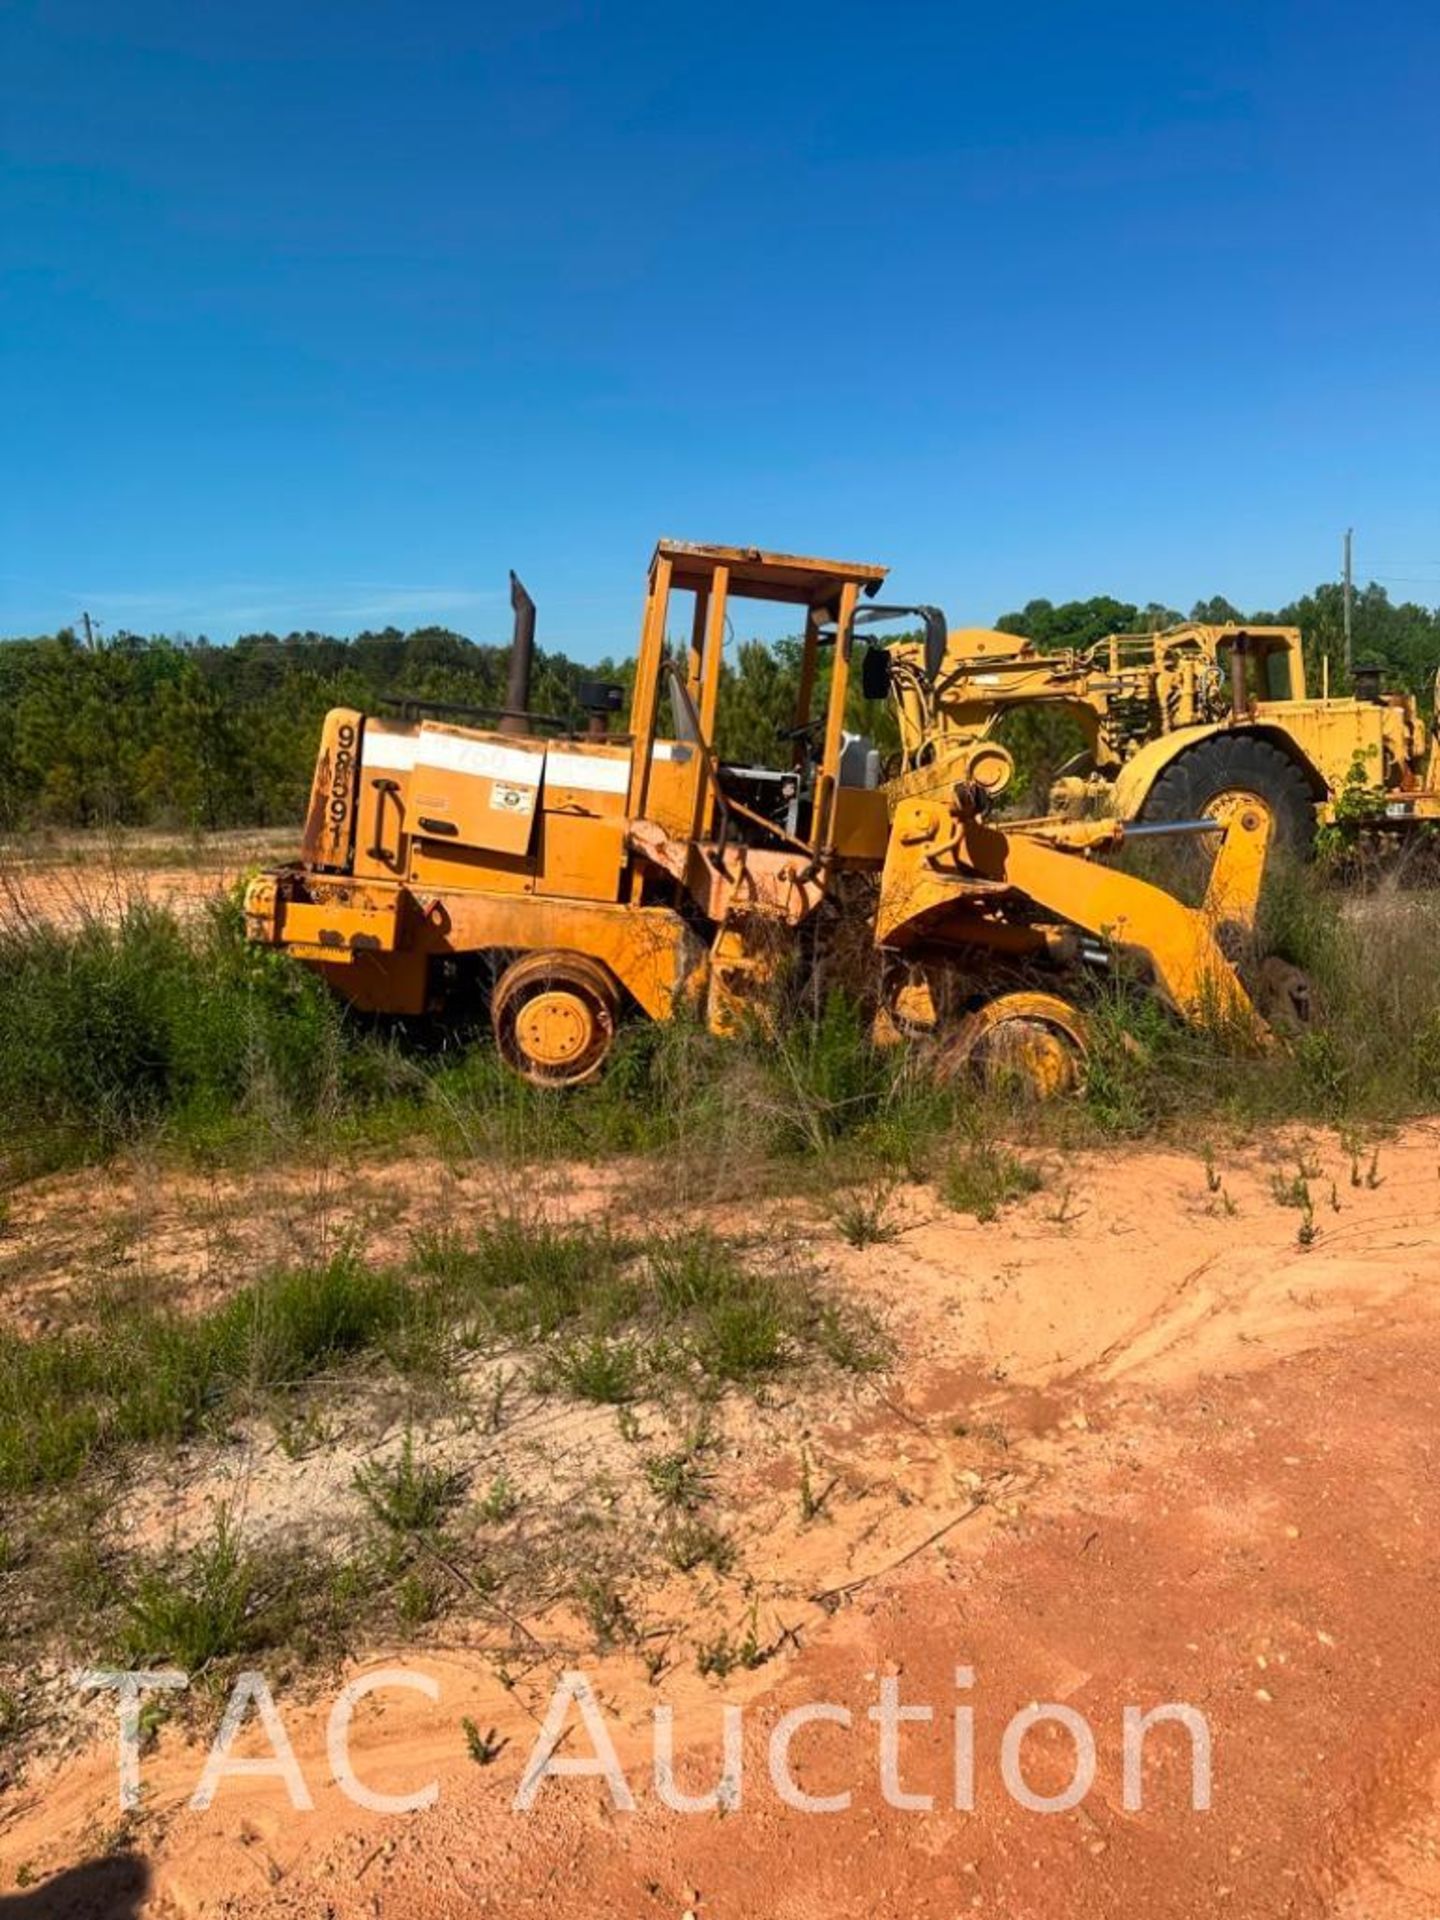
<point>1215,1485</point>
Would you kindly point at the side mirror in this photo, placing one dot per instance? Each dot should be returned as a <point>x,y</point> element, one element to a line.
<point>875,674</point>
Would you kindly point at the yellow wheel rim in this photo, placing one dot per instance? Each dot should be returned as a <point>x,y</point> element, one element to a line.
<point>1224,806</point>
<point>556,1028</point>
<point>554,1016</point>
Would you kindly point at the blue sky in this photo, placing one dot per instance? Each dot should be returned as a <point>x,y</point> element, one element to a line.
<point>326,315</point>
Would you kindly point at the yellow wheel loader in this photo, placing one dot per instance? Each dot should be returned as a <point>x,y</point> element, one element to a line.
<point>1183,723</point>
<point>585,873</point>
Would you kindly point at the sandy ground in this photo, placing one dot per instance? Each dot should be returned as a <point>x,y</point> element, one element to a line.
<point>1139,1445</point>
<point>67,878</point>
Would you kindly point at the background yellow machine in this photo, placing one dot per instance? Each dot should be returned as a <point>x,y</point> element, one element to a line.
<point>1180,723</point>
<point>573,875</point>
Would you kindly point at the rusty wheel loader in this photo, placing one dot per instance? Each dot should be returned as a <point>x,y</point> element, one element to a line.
<point>1184,723</point>
<point>586,873</point>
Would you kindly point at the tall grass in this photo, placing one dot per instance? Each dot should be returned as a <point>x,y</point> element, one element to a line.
<point>143,1375</point>
<point>1373,1049</point>
<point>111,1030</point>
<point>114,1032</point>
<point>1369,1053</point>
<point>197,1610</point>
<point>145,1029</point>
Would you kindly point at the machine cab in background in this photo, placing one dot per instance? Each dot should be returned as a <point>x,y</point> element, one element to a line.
<point>1259,664</point>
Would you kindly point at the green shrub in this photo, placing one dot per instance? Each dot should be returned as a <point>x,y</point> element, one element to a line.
<point>292,1324</point>
<point>606,1371</point>
<point>48,1426</point>
<point>859,1216</point>
<point>828,1077</point>
<point>743,1338</point>
<point>677,1478</point>
<point>695,1543</point>
<point>694,1270</point>
<point>527,1279</point>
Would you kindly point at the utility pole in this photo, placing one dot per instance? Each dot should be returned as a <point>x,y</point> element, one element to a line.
<point>89,633</point>
<point>1349,598</point>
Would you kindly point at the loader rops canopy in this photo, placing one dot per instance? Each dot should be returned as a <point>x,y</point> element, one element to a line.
<point>757,575</point>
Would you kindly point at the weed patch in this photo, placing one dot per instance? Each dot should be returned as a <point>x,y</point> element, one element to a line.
<point>676,1479</point>
<point>196,1609</point>
<point>145,1376</point>
<point>409,1495</point>
<point>691,1544</point>
<point>860,1217</point>
<point>110,1031</point>
<point>147,1029</point>
<point>982,1178</point>
<point>606,1611</point>
<point>606,1371</point>
<point>746,1337</point>
<point>728,1653</point>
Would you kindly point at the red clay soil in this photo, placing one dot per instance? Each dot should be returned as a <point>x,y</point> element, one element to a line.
<point>1170,1578</point>
<point>1235,1506</point>
<point>1261,1547</point>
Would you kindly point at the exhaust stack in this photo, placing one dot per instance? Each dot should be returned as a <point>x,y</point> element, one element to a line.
<point>522,660</point>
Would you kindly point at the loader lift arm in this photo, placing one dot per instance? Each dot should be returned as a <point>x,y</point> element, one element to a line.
<point>939,871</point>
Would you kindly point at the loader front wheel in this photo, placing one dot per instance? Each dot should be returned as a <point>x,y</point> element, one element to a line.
<point>1205,780</point>
<point>1033,1042</point>
<point>554,1016</point>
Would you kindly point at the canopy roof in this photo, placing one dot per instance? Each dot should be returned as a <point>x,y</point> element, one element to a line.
<point>757,575</point>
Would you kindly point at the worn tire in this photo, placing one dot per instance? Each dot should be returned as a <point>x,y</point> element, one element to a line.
<point>1033,1042</point>
<point>1237,763</point>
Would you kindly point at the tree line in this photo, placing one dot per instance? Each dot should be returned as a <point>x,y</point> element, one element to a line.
<point>179,733</point>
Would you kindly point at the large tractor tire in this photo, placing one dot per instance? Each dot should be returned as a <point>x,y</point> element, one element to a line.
<point>554,1016</point>
<point>1228,767</point>
<point>1033,1043</point>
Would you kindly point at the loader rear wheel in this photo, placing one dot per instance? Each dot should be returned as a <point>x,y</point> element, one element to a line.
<point>554,1017</point>
<point>1035,1042</point>
<point>1207,780</point>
